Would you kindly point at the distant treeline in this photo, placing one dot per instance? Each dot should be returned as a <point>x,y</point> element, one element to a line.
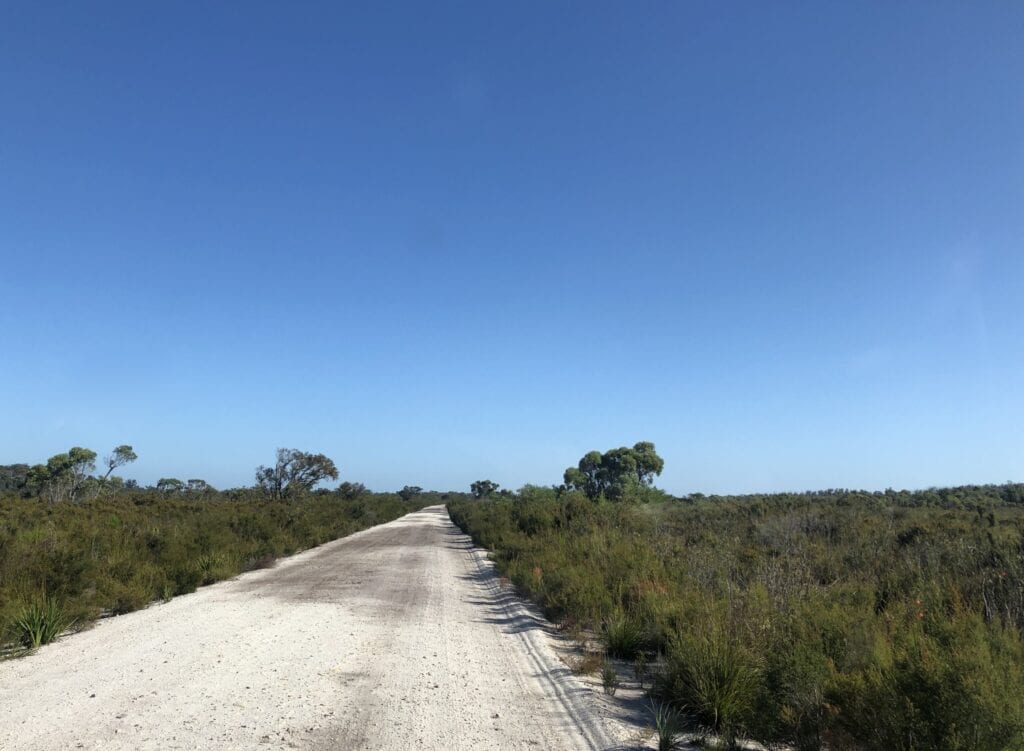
<point>963,496</point>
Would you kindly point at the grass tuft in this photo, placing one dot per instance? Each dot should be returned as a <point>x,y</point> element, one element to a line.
<point>623,636</point>
<point>668,723</point>
<point>713,680</point>
<point>609,678</point>
<point>40,622</point>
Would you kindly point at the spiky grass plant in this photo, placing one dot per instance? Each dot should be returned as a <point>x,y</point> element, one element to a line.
<point>40,622</point>
<point>609,678</point>
<point>623,636</point>
<point>668,723</point>
<point>212,567</point>
<point>714,680</point>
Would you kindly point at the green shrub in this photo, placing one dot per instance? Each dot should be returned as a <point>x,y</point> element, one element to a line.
<point>186,578</point>
<point>609,678</point>
<point>119,553</point>
<point>668,724</point>
<point>213,567</point>
<point>712,680</point>
<point>623,637</point>
<point>950,686</point>
<point>839,619</point>
<point>40,622</point>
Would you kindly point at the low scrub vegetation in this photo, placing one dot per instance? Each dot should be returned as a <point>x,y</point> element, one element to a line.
<point>840,620</point>
<point>68,563</point>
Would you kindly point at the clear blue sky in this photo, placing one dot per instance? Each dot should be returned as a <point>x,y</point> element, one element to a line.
<point>447,241</point>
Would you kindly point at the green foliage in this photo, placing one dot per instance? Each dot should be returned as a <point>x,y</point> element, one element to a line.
<point>483,488</point>
<point>39,622</point>
<point>119,457</point>
<point>617,473</point>
<point>838,619</point>
<point>713,680</point>
<point>623,636</point>
<point>170,485</point>
<point>13,477</point>
<point>352,490</point>
<point>120,551</point>
<point>409,492</point>
<point>294,473</point>
<point>668,724</point>
<point>609,678</point>
<point>64,475</point>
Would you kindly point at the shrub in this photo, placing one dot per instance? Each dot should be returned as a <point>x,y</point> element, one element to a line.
<point>119,553</point>
<point>609,678</point>
<point>40,622</point>
<point>950,686</point>
<point>885,620</point>
<point>667,726</point>
<point>713,680</point>
<point>212,567</point>
<point>623,637</point>
<point>186,578</point>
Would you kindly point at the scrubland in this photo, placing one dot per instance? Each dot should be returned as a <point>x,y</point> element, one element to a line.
<point>839,620</point>
<point>62,565</point>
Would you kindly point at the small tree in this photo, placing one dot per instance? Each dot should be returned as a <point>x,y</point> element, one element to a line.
<point>119,457</point>
<point>409,492</point>
<point>295,472</point>
<point>483,488</point>
<point>63,475</point>
<point>352,490</point>
<point>170,485</point>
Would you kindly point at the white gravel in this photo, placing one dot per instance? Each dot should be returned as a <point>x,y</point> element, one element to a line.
<point>397,637</point>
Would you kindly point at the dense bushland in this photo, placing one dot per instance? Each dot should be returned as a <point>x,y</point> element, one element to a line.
<point>839,619</point>
<point>69,563</point>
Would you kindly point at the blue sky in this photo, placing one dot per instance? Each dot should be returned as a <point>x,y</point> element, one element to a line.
<point>447,241</point>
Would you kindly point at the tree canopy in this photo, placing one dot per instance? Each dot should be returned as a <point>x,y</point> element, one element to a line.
<point>63,475</point>
<point>118,458</point>
<point>352,490</point>
<point>295,472</point>
<point>483,488</point>
<point>409,492</point>
<point>614,472</point>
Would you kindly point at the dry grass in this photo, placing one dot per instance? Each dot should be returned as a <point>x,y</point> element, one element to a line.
<point>587,663</point>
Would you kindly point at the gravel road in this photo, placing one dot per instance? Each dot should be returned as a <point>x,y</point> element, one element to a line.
<point>397,637</point>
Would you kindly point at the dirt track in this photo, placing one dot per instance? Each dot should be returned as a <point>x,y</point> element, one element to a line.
<point>397,637</point>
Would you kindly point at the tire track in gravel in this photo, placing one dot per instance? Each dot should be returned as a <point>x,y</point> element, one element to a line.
<point>398,636</point>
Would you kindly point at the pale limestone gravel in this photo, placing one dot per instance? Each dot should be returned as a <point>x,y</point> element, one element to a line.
<point>398,637</point>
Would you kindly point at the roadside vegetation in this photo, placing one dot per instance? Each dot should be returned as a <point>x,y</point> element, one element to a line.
<point>837,619</point>
<point>76,544</point>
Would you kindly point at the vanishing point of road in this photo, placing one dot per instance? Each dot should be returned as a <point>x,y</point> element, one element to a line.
<point>397,637</point>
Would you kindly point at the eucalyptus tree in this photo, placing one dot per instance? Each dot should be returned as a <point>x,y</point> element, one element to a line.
<point>409,492</point>
<point>613,473</point>
<point>119,457</point>
<point>483,488</point>
<point>295,472</point>
<point>64,475</point>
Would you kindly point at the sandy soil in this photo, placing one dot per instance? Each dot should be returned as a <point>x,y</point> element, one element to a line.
<point>397,637</point>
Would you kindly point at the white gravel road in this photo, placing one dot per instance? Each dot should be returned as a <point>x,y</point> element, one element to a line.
<point>398,637</point>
